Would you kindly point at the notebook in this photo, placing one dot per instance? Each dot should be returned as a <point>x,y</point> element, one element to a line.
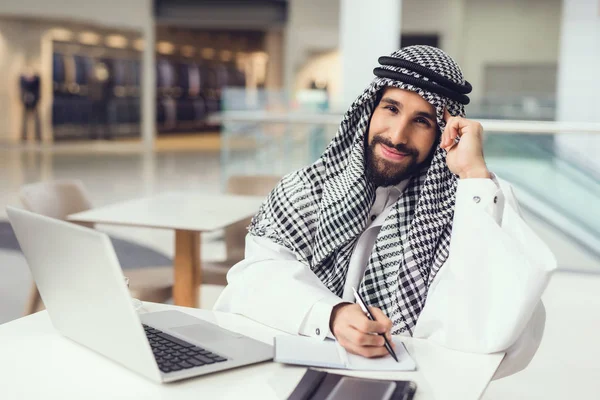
<point>329,353</point>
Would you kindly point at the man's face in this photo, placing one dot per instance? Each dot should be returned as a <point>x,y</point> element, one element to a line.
<point>401,136</point>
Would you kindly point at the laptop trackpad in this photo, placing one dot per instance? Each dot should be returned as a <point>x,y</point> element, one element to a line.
<point>204,333</point>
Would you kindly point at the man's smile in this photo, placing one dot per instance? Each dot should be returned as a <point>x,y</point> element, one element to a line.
<point>392,154</point>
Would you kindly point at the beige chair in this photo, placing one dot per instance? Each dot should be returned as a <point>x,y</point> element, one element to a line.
<point>215,273</point>
<point>58,199</point>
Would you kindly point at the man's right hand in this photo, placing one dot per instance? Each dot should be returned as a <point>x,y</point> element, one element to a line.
<point>357,333</point>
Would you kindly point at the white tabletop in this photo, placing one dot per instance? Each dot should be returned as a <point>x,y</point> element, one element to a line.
<point>37,362</point>
<point>189,211</point>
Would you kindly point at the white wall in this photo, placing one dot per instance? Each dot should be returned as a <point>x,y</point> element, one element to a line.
<point>508,32</point>
<point>362,41</point>
<point>313,36</point>
<point>323,67</point>
<point>131,14</point>
<point>578,80</point>
<point>313,27</point>
<point>474,32</point>
<point>441,17</point>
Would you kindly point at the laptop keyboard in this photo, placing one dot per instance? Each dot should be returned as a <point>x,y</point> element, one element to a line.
<point>173,354</point>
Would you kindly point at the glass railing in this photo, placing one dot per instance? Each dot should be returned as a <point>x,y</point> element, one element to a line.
<point>558,189</point>
<point>565,194</point>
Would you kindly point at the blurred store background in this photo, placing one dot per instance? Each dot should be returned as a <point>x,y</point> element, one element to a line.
<point>84,62</point>
<point>136,97</point>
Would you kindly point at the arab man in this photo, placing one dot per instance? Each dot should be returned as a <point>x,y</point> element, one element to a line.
<point>401,206</point>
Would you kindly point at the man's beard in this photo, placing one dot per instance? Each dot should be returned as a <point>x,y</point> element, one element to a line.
<point>382,173</point>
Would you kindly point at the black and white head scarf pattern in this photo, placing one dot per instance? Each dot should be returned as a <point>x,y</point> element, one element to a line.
<point>320,211</point>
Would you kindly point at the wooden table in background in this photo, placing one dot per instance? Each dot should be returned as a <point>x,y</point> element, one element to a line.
<point>189,214</point>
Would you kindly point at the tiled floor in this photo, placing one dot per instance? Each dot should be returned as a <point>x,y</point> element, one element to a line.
<point>565,366</point>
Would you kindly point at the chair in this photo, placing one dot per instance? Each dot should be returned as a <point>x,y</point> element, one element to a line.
<point>215,273</point>
<point>58,199</point>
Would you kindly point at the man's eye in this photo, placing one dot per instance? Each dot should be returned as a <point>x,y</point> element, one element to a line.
<point>392,109</point>
<point>423,121</point>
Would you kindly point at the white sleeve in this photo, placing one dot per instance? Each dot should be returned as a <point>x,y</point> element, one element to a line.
<point>522,351</point>
<point>272,287</point>
<point>486,297</point>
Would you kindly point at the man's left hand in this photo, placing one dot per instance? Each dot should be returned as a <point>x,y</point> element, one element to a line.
<point>464,158</point>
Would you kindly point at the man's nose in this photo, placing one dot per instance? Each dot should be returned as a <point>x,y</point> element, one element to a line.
<point>400,131</point>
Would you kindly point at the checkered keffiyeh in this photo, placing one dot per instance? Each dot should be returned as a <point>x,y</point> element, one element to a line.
<point>320,211</point>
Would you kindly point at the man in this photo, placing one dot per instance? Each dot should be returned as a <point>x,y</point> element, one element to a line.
<point>401,206</point>
<point>30,97</point>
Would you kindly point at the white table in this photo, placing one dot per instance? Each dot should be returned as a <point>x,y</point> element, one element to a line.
<point>38,363</point>
<point>189,214</point>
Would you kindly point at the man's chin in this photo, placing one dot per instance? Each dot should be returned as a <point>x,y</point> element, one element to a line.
<point>393,169</point>
<point>382,172</point>
<point>386,177</point>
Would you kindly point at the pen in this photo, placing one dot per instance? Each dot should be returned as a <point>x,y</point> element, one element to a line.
<point>362,305</point>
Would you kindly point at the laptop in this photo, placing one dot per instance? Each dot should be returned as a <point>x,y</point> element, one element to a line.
<point>81,283</point>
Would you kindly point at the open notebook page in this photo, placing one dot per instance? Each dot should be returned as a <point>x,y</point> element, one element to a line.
<point>328,354</point>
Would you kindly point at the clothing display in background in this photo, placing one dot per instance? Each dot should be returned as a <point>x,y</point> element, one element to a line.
<point>189,83</point>
<point>165,75</point>
<point>69,105</point>
<point>189,90</point>
<point>170,110</point>
<point>236,78</point>
<point>95,97</point>
<point>194,80</point>
<point>222,75</point>
<point>58,71</point>
<point>30,97</point>
<point>59,106</point>
<point>168,88</point>
<point>98,92</point>
<point>123,111</point>
<point>211,88</point>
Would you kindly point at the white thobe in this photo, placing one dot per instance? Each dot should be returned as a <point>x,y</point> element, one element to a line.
<point>484,299</point>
